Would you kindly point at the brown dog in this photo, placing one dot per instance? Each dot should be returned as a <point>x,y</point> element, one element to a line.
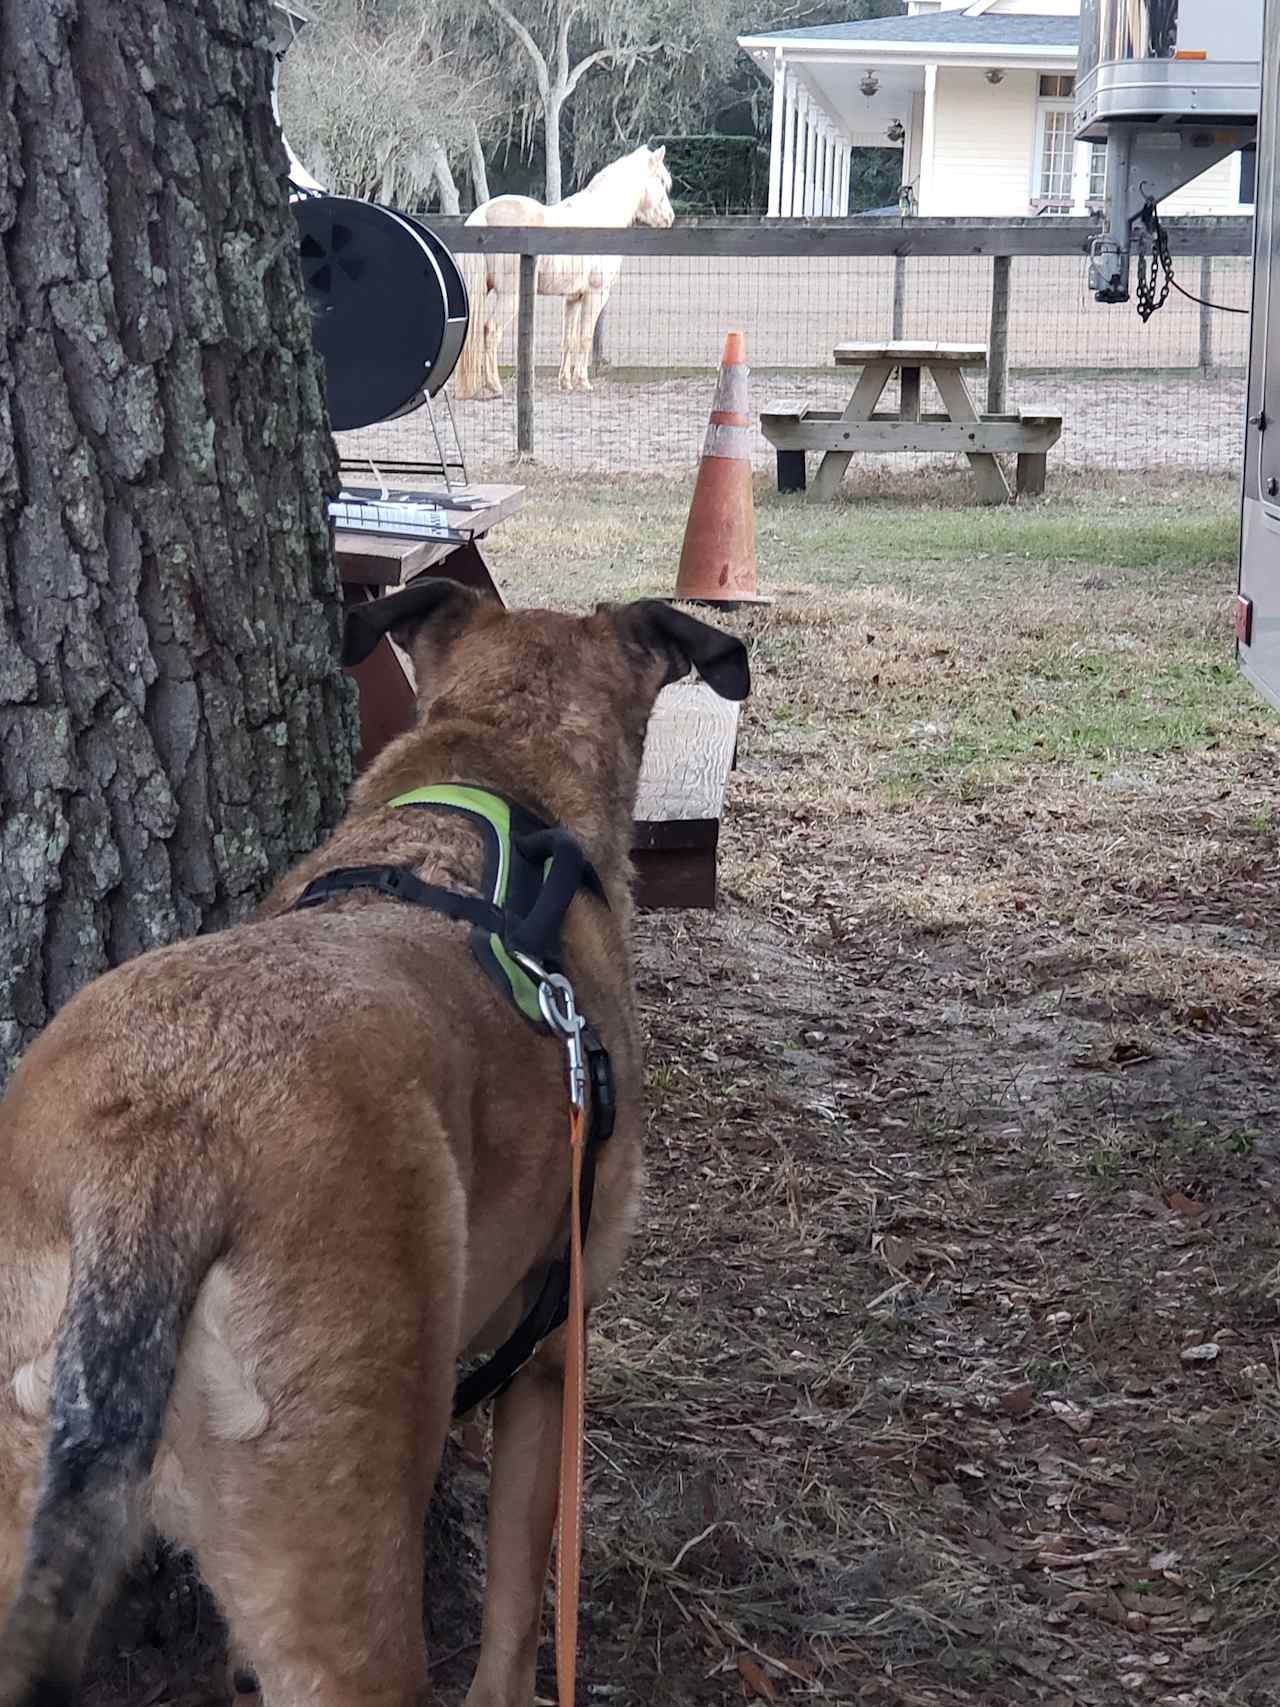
<point>259,1191</point>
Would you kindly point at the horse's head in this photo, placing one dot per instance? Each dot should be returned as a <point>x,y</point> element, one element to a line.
<point>655,206</point>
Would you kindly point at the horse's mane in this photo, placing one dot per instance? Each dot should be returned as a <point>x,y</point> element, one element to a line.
<point>615,169</point>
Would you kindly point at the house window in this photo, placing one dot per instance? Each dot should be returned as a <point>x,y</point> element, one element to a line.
<point>1054,169</point>
<point>1097,171</point>
<point>1056,157</point>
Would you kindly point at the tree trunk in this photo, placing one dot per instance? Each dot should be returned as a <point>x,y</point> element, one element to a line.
<point>479,173</point>
<point>552,107</point>
<point>174,727</point>
<point>450,201</point>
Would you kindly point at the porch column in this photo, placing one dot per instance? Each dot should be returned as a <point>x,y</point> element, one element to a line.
<point>842,182</point>
<point>787,200</point>
<point>833,157</point>
<point>820,197</point>
<point>775,134</point>
<point>816,173</point>
<point>924,178</point>
<point>806,159</point>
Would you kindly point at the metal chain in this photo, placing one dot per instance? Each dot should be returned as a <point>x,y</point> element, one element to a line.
<point>1150,275</point>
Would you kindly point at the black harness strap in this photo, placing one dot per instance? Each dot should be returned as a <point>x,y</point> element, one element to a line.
<point>400,884</point>
<point>564,870</point>
<point>551,1307</point>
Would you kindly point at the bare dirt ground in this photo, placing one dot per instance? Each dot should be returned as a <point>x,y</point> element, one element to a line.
<point>946,1368</point>
<point>646,426</point>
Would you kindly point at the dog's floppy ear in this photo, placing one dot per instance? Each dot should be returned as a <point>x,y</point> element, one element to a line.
<point>671,634</point>
<point>402,614</point>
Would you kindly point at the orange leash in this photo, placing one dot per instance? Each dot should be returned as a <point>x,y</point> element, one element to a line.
<point>573,1428</point>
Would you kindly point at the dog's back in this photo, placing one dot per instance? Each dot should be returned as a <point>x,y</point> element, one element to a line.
<point>257,1191</point>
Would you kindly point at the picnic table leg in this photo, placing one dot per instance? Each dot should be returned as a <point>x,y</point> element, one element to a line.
<point>466,565</point>
<point>1033,473</point>
<point>866,394</point>
<point>993,488</point>
<point>387,701</point>
<point>791,471</point>
<point>909,407</point>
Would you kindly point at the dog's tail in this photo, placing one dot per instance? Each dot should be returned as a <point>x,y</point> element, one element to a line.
<point>141,1246</point>
<point>468,376</point>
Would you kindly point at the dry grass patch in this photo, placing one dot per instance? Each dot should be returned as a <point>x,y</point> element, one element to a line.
<point>963,1114</point>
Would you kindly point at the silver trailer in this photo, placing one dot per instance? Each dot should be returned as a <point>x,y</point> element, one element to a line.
<point>1171,87</point>
<point>1257,608</point>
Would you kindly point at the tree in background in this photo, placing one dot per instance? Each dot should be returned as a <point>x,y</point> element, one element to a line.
<point>695,80</point>
<point>377,103</point>
<point>399,100</point>
<point>175,729</point>
<point>554,45</point>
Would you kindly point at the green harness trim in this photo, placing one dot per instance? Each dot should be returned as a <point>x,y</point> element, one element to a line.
<point>492,815</point>
<point>532,872</point>
<point>519,856</point>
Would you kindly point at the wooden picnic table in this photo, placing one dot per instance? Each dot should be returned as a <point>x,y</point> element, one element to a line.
<point>372,564</point>
<point>692,736</point>
<point>794,428</point>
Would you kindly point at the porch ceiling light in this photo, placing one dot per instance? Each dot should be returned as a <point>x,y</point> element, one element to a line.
<point>869,84</point>
<point>995,76</point>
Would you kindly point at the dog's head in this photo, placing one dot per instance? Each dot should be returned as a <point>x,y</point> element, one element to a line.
<point>562,702</point>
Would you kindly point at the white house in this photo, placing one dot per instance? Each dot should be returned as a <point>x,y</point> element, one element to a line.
<point>977,94</point>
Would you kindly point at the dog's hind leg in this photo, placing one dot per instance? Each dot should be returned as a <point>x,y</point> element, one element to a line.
<point>311,1535</point>
<point>522,1513</point>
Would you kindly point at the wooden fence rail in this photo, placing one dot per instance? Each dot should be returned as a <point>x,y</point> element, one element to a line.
<point>803,239</point>
<point>1002,240</point>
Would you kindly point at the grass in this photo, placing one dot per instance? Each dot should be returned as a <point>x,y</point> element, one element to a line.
<point>969,643</point>
<point>967,1085</point>
<point>963,1130</point>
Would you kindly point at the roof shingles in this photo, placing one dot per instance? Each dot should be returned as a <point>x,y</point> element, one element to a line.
<point>993,30</point>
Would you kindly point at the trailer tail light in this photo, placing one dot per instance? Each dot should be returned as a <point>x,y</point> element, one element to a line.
<point>1191,53</point>
<point>1242,618</point>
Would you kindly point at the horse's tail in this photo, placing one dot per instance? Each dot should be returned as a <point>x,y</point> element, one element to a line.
<point>468,376</point>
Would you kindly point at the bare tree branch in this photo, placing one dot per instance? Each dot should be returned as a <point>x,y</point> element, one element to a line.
<point>584,65</point>
<point>530,46</point>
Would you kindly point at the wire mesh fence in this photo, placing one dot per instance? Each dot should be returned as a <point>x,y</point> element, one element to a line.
<point>1131,395</point>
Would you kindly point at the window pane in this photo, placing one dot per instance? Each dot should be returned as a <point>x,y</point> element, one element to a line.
<point>1097,171</point>
<point>1055,86</point>
<point>1055,158</point>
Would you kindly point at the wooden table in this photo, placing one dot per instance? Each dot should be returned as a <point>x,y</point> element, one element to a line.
<point>689,749</point>
<point>372,564</point>
<point>794,428</point>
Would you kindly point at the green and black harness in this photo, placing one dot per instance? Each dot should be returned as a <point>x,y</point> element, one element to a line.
<point>532,873</point>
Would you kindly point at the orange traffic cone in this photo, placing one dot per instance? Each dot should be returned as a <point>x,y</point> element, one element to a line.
<point>718,559</point>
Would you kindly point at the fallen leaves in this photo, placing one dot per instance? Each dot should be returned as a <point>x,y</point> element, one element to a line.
<point>1206,1353</point>
<point>1018,1400</point>
<point>756,1682</point>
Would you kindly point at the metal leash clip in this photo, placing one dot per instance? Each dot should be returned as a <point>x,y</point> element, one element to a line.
<point>559,1008</point>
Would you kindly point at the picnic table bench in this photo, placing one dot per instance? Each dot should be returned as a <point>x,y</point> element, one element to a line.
<point>794,428</point>
<point>692,737</point>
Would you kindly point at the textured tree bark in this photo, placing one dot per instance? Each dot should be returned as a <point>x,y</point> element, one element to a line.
<point>174,726</point>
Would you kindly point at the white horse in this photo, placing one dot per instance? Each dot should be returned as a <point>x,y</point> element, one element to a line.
<point>633,188</point>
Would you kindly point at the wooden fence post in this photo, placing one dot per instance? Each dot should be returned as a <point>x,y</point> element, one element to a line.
<point>998,337</point>
<point>1206,316</point>
<point>899,294</point>
<point>524,355</point>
